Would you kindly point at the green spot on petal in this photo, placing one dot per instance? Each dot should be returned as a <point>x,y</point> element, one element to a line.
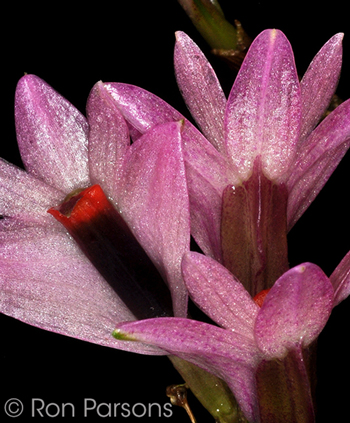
<point>122,336</point>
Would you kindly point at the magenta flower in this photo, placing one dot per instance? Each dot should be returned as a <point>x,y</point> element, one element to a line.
<point>45,278</point>
<point>262,151</point>
<point>250,338</point>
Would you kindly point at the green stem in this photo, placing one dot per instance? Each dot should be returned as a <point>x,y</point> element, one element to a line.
<point>207,16</point>
<point>212,392</point>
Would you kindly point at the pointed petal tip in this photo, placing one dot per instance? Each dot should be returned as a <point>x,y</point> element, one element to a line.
<point>334,44</point>
<point>99,92</point>
<point>30,82</point>
<point>99,85</point>
<point>25,81</point>
<point>271,37</point>
<point>200,89</point>
<point>338,37</point>
<point>122,336</point>
<point>182,37</point>
<point>271,33</point>
<point>179,35</point>
<point>100,89</point>
<point>29,77</point>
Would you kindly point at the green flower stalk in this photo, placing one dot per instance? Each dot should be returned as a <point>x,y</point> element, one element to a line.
<point>227,41</point>
<point>208,17</point>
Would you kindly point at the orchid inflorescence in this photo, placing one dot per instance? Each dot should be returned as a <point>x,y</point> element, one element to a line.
<point>95,232</point>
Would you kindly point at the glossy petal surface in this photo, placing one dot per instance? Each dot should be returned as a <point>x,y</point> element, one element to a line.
<point>263,109</point>
<point>207,170</point>
<point>52,135</point>
<point>219,294</point>
<point>24,199</point>
<point>108,140</point>
<point>154,201</point>
<point>201,89</point>
<point>47,282</point>
<point>318,157</point>
<point>294,311</point>
<point>319,83</point>
<point>42,264</point>
<point>144,110</point>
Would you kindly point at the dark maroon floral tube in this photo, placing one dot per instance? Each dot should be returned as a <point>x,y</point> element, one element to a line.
<point>109,244</point>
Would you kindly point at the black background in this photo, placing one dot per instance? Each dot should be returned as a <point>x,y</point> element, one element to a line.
<point>72,46</point>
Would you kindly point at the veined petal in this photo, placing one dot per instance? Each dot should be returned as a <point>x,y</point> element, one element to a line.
<point>52,135</point>
<point>219,294</point>
<point>144,110</point>
<point>208,172</point>
<point>24,199</point>
<point>263,109</point>
<point>141,108</point>
<point>319,83</point>
<point>47,282</point>
<point>200,89</point>
<point>318,157</point>
<point>228,355</point>
<point>108,140</point>
<point>154,201</point>
<point>205,209</point>
<point>340,279</point>
<point>294,311</point>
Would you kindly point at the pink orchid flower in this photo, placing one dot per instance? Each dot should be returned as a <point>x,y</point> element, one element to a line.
<point>260,153</point>
<point>249,338</point>
<point>45,279</point>
<point>260,148</point>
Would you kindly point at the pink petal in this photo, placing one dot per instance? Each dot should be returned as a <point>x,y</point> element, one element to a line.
<point>205,209</point>
<point>263,109</point>
<point>154,201</point>
<point>52,135</point>
<point>294,311</point>
<point>25,199</point>
<point>319,83</point>
<point>318,157</point>
<point>228,355</point>
<point>219,294</point>
<point>47,282</point>
<point>340,279</point>
<point>108,140</point>
<point>208,172</point>
<point>142,109</point>
<point>201,89</point>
